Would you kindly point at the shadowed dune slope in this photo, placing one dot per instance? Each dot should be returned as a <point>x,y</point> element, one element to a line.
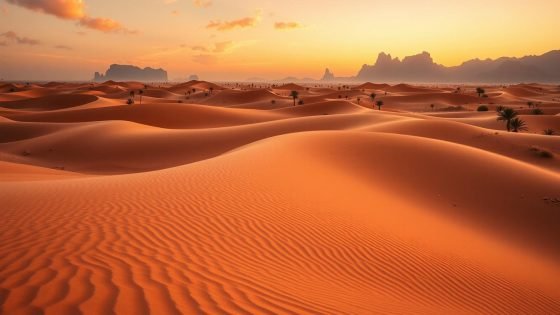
<point>50,102</point>
<point>304,223</point>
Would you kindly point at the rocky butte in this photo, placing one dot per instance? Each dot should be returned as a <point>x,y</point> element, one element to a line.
<point>131,73</point>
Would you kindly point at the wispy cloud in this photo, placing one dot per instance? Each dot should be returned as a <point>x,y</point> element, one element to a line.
<point>245,22</point>
<point>202,3</point>
<point>216,48</point>
<point>72,10</point>
<point>286,25</point>
<point>13,37</point>
<point>63,47</point>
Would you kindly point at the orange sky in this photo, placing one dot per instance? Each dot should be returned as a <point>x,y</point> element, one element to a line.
<point>235,40</point>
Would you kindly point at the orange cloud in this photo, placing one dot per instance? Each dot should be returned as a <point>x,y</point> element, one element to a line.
<point>71,10</point>
<point>104,25</point>
<point>65,9</point>
<point>286,25</point>
<point>229,25</point>
<point>13,37</point>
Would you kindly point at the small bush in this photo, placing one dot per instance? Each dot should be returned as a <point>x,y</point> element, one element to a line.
<point>485,95</point>
<point>130,101</point>
<point>537,111</point>
<point>482,108</point>
<point>542,152</point>
<point>273,102</point>
<point>301,102</point>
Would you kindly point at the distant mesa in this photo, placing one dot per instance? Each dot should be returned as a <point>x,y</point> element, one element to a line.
<point>193,77</point>
<point>422,69</point>
<point>328,76</point>
<point>131,73</point>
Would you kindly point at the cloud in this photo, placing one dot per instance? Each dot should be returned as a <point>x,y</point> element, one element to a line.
<point>286,25</point>
<point>104,25</point>
<point>72,10</point>
<point>64,9</point>
<point>63,47</point>
<point>217,48</point>
<point>202,3</point>
<point>245,22</point>
<point>13,37</point>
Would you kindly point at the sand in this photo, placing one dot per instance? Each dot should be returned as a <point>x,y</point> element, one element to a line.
<point>230,203</point>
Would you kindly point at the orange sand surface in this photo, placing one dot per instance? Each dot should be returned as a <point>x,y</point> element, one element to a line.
<point>228,199</point>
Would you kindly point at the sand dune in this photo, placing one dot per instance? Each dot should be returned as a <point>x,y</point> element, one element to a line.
<point>330,207</point>
<point>51,102</point>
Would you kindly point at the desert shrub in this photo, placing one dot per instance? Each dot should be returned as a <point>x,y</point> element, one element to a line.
<point>301,102</point>
<point>482,108</point>
<point>485,95</point>
<point>537,111</point>
<point>542,152</point>
<point>130,101</point>
<point>273,102</point>
<point>549,132</point>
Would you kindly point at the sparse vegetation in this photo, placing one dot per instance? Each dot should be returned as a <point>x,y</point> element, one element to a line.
<point>130,101</point>
<point>141,92</point>
<point>517,125</point>
<point>379,104</point>
<point>542,152</point>
<point>301,102</point>
<point>480,91</point>
<point>537,111</point>
<point>294,95</point>
<point>549,132</point>
<point>507,114</point>
<point>372,96</point>
<point>482,108</point>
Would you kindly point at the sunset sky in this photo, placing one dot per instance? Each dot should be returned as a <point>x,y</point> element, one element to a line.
<point>236,40</point>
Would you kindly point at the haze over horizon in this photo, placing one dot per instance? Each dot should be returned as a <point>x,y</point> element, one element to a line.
<point>220,40</point>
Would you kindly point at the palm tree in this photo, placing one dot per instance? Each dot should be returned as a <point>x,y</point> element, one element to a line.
<point>379,104</point>
<point>372,96</point>
<point>507,114</point>
<point>517,125</point>
<point>432,106</point>
<point>530,104</point>
<point>132,95</point>
<point>211,90</point>
<point>294,95</point>
<point>140,92</point>
<point>549,132</point>
<point>480,91</point>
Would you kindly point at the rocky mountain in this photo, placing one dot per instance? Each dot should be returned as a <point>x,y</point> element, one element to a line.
<point>131,73</point>
<point>422,68</point>
<point>328,76</point>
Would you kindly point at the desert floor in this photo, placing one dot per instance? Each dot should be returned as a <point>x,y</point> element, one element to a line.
<point>228,199</point>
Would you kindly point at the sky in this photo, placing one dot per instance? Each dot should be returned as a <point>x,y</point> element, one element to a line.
<point>270,39</point>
